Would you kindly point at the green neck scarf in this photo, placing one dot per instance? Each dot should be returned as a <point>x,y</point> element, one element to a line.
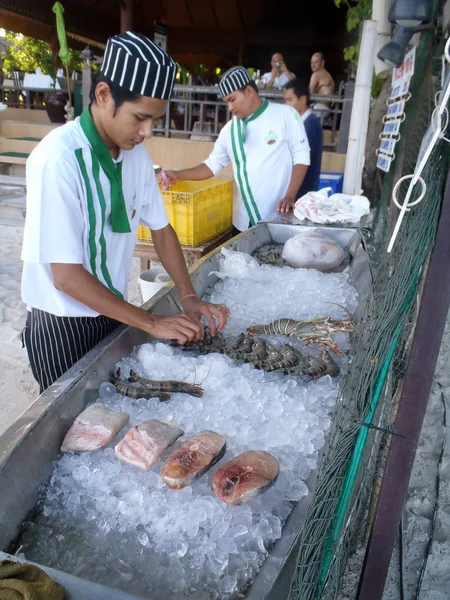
<point>119,217</point>
<point>257,113</point>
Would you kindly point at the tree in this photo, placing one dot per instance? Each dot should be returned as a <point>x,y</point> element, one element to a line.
<point>357,12</point>
<point>27,54</point>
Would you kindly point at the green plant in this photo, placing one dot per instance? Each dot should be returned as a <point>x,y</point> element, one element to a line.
<point>357,12</point>
<point>200,70</point>
<point>184,75</point>
<point>377,85</point>
<point>27,54</point>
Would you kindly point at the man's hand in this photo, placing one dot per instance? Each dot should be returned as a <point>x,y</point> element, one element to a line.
<point>168,178</point>
<point>287,204</point>
<point>175,327</point>
<point>196,309</point>
<point>283,67</point>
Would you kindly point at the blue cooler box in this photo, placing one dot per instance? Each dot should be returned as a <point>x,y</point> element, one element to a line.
<point>332,180</point>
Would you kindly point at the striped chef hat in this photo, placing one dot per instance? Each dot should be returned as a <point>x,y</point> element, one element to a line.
<point>233,80</point>
<point>135,63</point>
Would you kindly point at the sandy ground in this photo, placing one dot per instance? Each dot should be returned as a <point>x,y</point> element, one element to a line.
<point>418,511</point>
<point>17,385</point>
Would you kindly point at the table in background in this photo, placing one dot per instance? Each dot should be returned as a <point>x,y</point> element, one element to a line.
<point>146,250</point>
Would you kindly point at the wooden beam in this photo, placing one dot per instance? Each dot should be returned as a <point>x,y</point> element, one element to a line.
<point>126,15</point>
<point>95,4</point>
<point>241,18</point>
<point>189,13</point>
<point>163,11</point>
<point>252,36</point>
<point>216,18</point>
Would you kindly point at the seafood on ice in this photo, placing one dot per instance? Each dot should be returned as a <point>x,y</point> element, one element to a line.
<point>309,331</point>
<point>132,391</point>
<point>144,443</point>
<point>192,459</point>
<point>140,387</point>
<point>95,427</point>
<point>312,250</point>
<point>264,355</point>
<point>170,386</point>
<point>245,477</point>
<point>271,254</point>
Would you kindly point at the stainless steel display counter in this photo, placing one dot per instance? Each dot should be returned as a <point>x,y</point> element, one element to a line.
<point>30,446</point>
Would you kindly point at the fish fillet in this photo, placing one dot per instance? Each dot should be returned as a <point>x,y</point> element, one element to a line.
<point>192,459</point>
<point>245,477</point>
<point>93,428</point>
<point>145,442</point>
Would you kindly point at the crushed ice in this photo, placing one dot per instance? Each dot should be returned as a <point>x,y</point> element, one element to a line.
<point>111,522</point>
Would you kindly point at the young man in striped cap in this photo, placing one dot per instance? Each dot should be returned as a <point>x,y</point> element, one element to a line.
<point>267,146</point>
<point>89,185</point>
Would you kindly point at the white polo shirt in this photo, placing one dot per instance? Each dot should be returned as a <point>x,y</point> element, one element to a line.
<point>281,80</point>
<point>68,212</point>
<point>262,149</point>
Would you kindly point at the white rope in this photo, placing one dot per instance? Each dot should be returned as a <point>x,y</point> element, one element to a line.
<point>447,50</point>
<point>438,128</point>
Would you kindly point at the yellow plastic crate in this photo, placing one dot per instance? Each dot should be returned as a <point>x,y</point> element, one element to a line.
<point>197,210</point>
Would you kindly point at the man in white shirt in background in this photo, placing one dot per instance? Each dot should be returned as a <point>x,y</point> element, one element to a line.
<point>267,146</point>
<point>280,74</point>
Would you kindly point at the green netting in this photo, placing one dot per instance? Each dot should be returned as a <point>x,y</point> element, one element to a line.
<point>340,514</point>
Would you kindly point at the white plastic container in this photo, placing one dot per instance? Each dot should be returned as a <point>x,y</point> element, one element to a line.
<point>162,277</point>
<point>147,284</point>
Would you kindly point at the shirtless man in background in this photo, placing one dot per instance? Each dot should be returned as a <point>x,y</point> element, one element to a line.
<point>321,82</point>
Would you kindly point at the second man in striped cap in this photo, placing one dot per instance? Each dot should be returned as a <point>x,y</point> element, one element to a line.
<point>267,146</point>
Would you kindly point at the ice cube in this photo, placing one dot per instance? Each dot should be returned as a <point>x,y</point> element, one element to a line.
<point>237,531</point>
<point>181,549</point>
<point>81,473</point>
<point>106,390</point>
<point>142,538</point>
<point>227,584</point>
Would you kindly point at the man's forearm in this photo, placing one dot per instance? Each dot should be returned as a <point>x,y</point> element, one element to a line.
<point>76,282</point>
<point>171,256</point>
<point>297,177</point>
<point>197,173</point>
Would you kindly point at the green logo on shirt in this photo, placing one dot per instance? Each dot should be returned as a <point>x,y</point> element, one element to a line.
<point>132,207</point>
<point>271,137</point>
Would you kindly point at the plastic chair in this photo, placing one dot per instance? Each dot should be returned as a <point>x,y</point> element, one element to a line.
<point>18,77</point>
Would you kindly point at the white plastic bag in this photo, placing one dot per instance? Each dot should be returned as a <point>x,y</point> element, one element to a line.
<point>318,207</point>
<point>238,265</point>
<point>312,250</point>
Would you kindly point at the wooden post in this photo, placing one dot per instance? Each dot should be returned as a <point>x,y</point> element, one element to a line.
<point>126,15</point>
<point>86,76</point>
